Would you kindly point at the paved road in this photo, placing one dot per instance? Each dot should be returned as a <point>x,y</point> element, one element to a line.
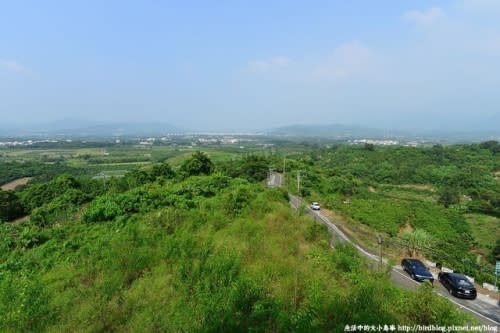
<point>275,180</point>
<point>486,313</point>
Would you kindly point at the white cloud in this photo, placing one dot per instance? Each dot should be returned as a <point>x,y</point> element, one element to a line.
<point>347,61</point>
<point>268,65</point>
<point>424,18</point>
<point>11,65</point>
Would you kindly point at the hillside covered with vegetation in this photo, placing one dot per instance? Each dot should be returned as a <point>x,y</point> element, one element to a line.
<point>450,194</point>
<point>205,247</point>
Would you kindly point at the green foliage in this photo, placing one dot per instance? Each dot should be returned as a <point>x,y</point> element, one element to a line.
<point>417,239</point>
<point>39,194</point>
<point>254,168</point>
<point>23,303</point>
<point>10,206</point>
<point>162,170</point>
<point>449,196</point>
<point>153,196</point>
<point>197,164</point>
<point>59,208</point>
<point>491,145</point>
<point>211,253</point>
<point>236,200</point>
<point>369,146</point>
<point>103,208</point>
<point>41,171</point>
<point>390,187</point>
<point>314,231</point>
<point>426,308</point>
<point>390,216</point>
<point>495,253</point>
<point>345,185</point>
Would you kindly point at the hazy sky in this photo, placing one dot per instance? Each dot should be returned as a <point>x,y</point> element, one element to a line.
<point>251,64</point>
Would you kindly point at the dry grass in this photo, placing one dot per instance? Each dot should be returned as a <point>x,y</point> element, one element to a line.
<point>419,187</point>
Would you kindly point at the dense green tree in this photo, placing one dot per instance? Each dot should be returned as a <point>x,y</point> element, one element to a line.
<point>137,178</point>
<point>345,185</point>
<point>197,164</point>
<point>495,253</point>
<point>79,190</point>
<point>449,196</point>
<point>40,171</point>
<point>492,145</point>
<point>162,170</point>
<point>369,146</point>
<point>254,168</point>
<point>10,206</point>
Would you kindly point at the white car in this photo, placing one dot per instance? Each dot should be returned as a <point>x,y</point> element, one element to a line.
<point>315,206</point>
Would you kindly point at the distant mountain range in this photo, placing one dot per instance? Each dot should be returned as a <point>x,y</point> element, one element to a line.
<point>79,128</point>
<point>337,131</point>
<point>333,131</point>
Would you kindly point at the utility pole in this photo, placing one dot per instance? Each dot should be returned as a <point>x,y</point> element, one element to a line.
<point>269,180</point>
<point>284,166</point>
<point>379,242</point>
<point>103,176</point>
<point>298,182</point>
<point>497,271</point>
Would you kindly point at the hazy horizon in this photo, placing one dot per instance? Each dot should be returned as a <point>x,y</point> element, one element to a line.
<point>413,65</point>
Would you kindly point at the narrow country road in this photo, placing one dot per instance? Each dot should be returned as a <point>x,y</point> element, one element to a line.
<point>486,312</point>
<point>274,180</point>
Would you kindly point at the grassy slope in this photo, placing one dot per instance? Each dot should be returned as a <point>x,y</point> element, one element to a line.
<point>202,269</point>
<point>486,230</point>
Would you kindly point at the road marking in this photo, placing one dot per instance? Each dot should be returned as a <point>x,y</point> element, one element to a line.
<point>469,309</point>
<point>295,202</point>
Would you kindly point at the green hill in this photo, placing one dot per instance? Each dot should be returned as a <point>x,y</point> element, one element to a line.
<point>179,253</point>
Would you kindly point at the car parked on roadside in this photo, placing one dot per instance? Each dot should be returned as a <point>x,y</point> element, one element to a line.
<point>458,285</point>
<point>315,206</point>
<point>417,270</point>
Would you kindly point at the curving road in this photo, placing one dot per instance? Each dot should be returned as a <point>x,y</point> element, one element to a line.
<point>486,312</point>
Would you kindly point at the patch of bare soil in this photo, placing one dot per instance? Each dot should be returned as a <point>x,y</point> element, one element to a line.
<point>15,183</point>
<point>419,187</point>
<point>21,219</point>
<point>402,230</point>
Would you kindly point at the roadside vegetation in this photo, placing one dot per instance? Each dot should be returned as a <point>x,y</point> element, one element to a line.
<point>450,192</point>
<point>202,247</point>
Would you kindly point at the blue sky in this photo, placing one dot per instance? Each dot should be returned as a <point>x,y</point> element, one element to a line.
<point>240,65</point>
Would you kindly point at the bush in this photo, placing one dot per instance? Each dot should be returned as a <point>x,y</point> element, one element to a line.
<point>23,304</point>
<point>197,164</point>
<point>10,206</point>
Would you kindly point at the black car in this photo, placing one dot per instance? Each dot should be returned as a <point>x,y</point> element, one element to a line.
<point>458,285</point>
<point>417,270</point>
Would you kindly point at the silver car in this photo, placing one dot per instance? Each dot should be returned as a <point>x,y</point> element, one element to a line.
<point>315,206</point>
